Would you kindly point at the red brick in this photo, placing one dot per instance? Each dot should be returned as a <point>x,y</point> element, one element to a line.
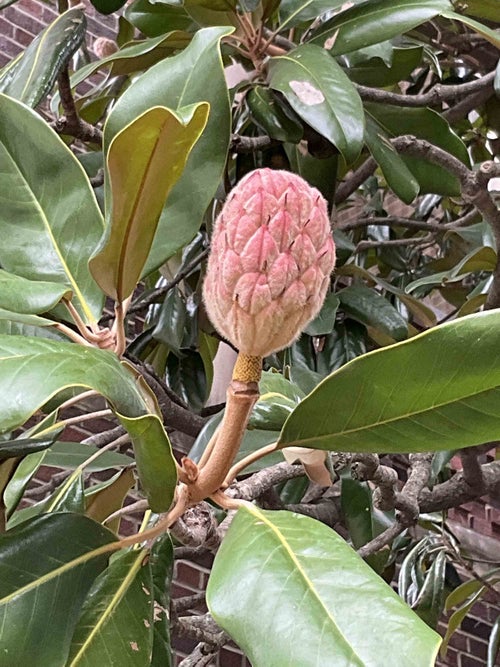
<point>477,649</point>
<point>470,661</point>
<point>9,47</point>
<point>22,37</point>
<point>188,574</point>
<point>22,20</point>
<point>6,28</point>
<point>31,7</point>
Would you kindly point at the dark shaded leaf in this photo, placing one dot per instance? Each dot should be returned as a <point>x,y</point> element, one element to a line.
<point>30,77</point>
<point>44,580</point>
<point>370,308</point>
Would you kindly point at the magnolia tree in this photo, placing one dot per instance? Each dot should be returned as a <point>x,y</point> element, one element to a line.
<point>365,130</point>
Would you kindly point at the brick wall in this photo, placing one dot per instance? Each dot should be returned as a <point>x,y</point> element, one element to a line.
<point>19,23</point>
<point>25,19</point>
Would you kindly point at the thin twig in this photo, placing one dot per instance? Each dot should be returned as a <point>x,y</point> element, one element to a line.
<point>71,123</point>
<point>441,92</point>
<point>381,540</point>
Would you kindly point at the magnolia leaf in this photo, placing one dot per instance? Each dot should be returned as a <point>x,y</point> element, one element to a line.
<point>47,568</point>
<point>139,182</point>
<point>278,571</point>
<point>436,391</point>
<point>320,92</point>
<point>30,77</point>
<point>373,22</point>
<point>175,83</point>
<point>46,188</point>
<point>116,620</point>
<point>32,370</point>
<point>29,296</point>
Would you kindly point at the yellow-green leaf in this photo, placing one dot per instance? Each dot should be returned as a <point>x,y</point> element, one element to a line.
<point>144,161</point>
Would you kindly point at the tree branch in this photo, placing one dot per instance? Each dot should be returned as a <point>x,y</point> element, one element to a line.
<point>457,491</point>
<point>354,181</point>
<point>474,191</point>
<point>71,123</point>
<point>257,484</point>
<point>441,92</point>
<point>396,221</point>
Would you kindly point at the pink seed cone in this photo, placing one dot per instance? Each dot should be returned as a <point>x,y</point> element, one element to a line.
<point>271,256</point>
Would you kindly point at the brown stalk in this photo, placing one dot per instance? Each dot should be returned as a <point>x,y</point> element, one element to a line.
<point>241,397</point>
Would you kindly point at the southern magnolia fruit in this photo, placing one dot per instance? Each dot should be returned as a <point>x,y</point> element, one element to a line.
<point>271,256</point>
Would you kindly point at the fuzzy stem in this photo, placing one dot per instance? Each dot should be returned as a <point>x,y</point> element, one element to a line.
<point>241,397</point>
<point>248,460</point>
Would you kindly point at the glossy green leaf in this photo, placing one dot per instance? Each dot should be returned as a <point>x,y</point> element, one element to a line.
<point>29,296</point>
<point>370,308</point>
<point>399,178</point>
<point>205,14</point>
<point>324,322</point>
<point>30,77</point>
<point>424,124</point>
<point>376,72</point>
<point>375,21</point>
<point>171,320</point>
<point>436,391</point>
<point>320,173</point>
<point>22,319</point>
<point>154,458</point>
<point>176,82</point>
<point>45,247</point>
<point>50,367</point>
<point>161,561</point>
<point>214,5</point>
<point>32,370</point>
<point>117,616</point>
<point>74,454</point>
<point>134,57</point>
<point>44,580</point>
<point>23,447</point>
<point>271,411</point>
<point>155,18</point>
<point>293,12</point>
<point>319,91</point>
<point>479,259</point>
<point>430,601</point>
<point>494,643</point>
<point>484,9</point>
<point>100,503</point>
<point>492,36</point>
<point>420,310</point>
<point>278,571</point>
<point>270,116</point>
<point>357,509</point>
<point>469,588</point>
<point>139,182</point>
<point>458,616</point>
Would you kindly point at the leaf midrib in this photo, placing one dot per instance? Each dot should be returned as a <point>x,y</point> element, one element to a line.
<point>371,15</point>
<point>391,420</point>
<point>115,600</point>
<point>251,509</point>
<point>52,239</point>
